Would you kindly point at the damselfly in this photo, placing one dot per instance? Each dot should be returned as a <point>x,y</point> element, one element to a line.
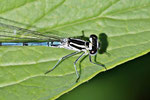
<point>12,35</point>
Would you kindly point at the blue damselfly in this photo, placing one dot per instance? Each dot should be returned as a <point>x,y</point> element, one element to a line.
<point>11,35</point>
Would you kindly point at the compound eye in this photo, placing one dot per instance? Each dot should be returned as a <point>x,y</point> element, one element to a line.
<point>94,42</point>
<point>93,37</point>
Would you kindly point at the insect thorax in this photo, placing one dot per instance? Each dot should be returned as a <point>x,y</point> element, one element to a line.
<point>81,45</point>
<point>78,45</point>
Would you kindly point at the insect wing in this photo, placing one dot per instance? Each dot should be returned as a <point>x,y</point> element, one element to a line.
<point>9,32</point>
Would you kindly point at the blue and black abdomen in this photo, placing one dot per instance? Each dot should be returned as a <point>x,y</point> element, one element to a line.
<point>30,44</point>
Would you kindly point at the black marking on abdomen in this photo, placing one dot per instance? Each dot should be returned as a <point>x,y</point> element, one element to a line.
<point>48,44</point>
<point>25,44</point>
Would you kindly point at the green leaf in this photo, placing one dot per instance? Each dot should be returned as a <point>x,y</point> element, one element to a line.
<point>122,26</point>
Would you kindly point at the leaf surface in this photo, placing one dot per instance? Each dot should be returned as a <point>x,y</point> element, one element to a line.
<point>122,26</point>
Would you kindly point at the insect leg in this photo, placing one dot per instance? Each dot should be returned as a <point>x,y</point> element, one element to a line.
<point>96,63</point>
<point>61,60</point>
<point>76,67</point>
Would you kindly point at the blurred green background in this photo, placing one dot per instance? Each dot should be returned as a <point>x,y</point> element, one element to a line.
<point>129,81</point>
